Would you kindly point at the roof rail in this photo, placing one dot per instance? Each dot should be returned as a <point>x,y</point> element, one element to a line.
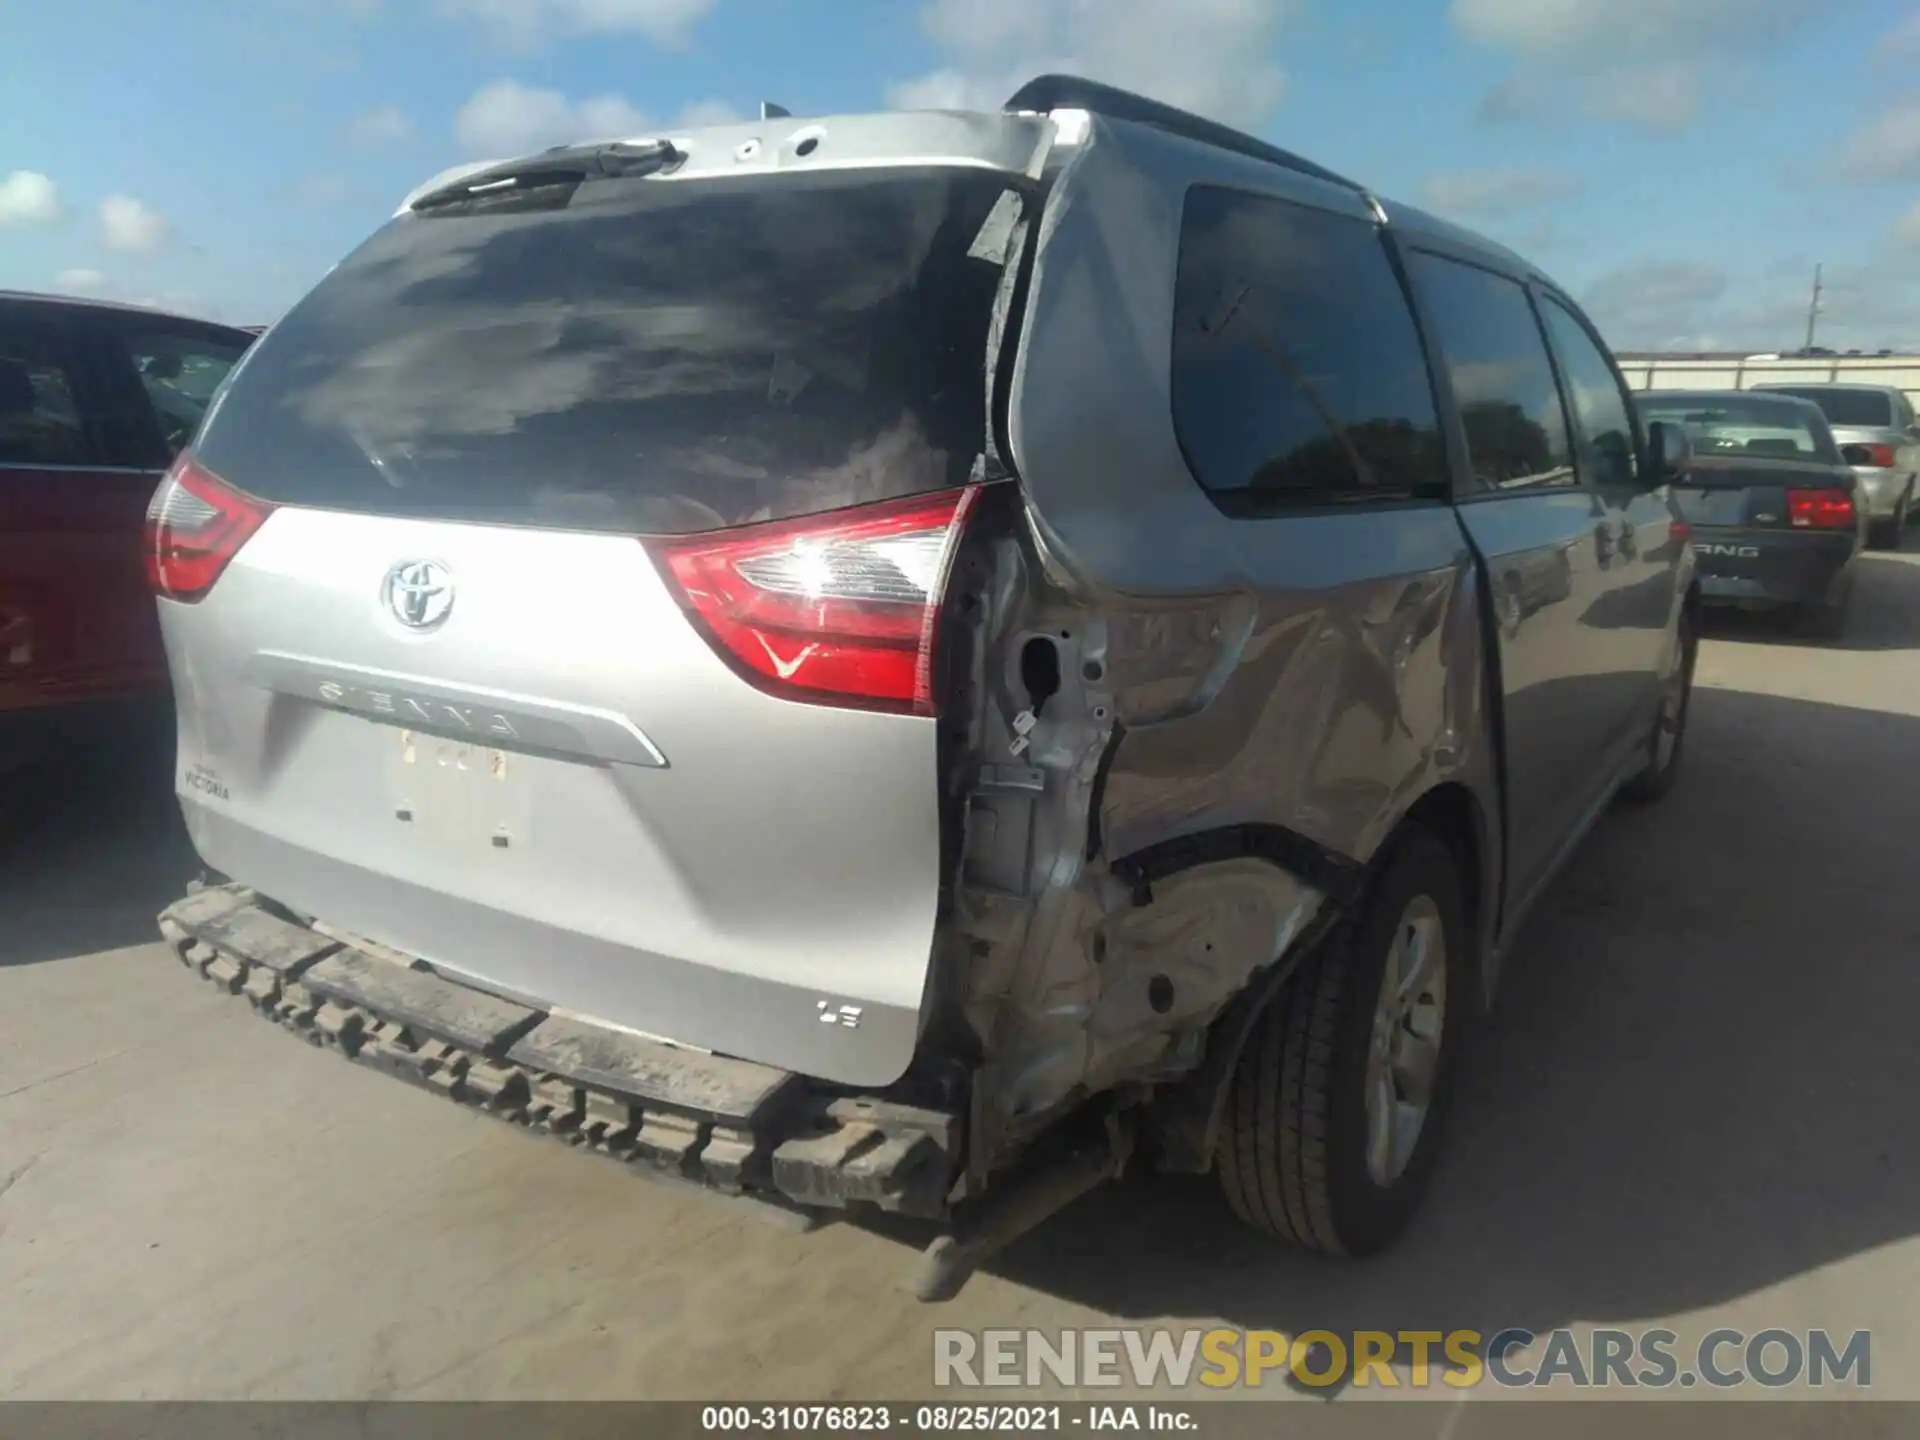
<point>1070,92</point>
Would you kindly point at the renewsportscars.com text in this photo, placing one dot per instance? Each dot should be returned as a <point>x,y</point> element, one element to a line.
<point>1402,1359</point>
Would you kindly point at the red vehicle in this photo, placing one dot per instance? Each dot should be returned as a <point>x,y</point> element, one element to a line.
<point>95,401</point>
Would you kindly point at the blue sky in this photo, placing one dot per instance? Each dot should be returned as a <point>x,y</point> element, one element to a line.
<point>1680,164</point>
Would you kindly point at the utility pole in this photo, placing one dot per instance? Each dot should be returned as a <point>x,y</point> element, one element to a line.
<point>1813,307</point>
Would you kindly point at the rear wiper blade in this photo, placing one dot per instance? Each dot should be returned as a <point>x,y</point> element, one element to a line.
<point>563,163</point>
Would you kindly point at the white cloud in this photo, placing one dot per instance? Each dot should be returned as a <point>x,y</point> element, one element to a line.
<point>1663,305</point>
<point>322,190</point>
<point>526,23</point>
<point>180,302</point>
<point>1903,41</point>
<point>82,282</point>
<point>1628,27</point>
<point>1497,192</point>
<point>28,198</point>
<point>1886,147</point>
<point>1655,304</point>
<point>707,112</point>
<point>1658,95</point>
<point>132,224</point>
<point>508,118</point>
<point>1648,63</point>
<point>1906,230</point>
<point>385,125</point>
<point>1215,57</point>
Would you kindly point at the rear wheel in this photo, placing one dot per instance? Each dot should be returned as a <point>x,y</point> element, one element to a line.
<point>1887,534</point>
<point>1670,725</point>
<point>1825,619</point>
<point>1334,1114</point>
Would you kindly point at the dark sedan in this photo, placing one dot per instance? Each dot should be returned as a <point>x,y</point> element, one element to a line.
<point>1772,504</point>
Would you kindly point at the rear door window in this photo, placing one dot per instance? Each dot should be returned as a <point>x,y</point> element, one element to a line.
<point>1608,456</point>
<point>1298,377</point>
<point>1503,381</point>
<point>41,422</point>
<point>650,356</point>
<point>178,367</point>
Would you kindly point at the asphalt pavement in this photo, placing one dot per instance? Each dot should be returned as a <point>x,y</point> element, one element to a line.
<point>1696,1108</point>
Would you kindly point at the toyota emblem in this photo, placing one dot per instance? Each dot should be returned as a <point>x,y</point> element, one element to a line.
<point>418,593</point>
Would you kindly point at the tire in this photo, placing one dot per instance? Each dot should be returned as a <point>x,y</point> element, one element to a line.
<point>1293,1154</point>
<point>1656,778</point>
<point>1885,534</point>
<point>1825,619</point>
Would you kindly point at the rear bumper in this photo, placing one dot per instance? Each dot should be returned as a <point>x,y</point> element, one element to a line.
<point>833,1029</point>
<point>736,1126</point>
<point>1770,567</point>
<point>1879,490</point>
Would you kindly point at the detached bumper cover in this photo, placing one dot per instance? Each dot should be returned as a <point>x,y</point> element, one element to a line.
<point>1770,567</point>
<point>731,1124</point>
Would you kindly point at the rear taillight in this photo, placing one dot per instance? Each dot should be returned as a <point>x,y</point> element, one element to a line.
<point>1820,509</point>
<point>840,609</point>
<point>1879,457</point>
<point>196,524</point>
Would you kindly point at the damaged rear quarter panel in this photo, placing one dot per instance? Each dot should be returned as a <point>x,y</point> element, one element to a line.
<point>1318,673</point>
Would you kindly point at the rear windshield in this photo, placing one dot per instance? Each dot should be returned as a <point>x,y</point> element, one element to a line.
<point>652,357</point>
<point>1847,407</point>
<point>1745,425</point>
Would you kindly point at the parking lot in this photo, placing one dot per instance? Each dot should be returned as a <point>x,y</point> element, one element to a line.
<point>1697,1109</point>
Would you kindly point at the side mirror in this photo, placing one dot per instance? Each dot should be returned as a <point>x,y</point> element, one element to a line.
<point>1669,453</point>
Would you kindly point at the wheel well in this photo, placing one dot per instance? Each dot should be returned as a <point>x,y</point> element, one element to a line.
<point>1186,1114</point>
<point>1451,815</point>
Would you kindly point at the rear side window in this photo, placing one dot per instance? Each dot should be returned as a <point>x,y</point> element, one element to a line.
<point>1867,408</point>
<point>1503,382</point>
<point>1608,458</point>
<point>179,369</point>
<point>650,356</point>
<point>40,420</point>
<point>1298,377</point>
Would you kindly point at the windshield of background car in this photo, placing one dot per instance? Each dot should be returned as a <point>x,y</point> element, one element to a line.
<point>645,356</point>
<point>1746,426</point>
<point>1868,408</point>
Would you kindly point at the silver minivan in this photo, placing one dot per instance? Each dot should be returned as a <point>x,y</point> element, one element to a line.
<point>911,660</point>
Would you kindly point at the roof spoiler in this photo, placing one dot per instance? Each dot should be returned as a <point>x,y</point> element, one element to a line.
<point>1070,92</point>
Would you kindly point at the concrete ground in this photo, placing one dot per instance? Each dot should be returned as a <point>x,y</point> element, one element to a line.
<point>1697,1108</point>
